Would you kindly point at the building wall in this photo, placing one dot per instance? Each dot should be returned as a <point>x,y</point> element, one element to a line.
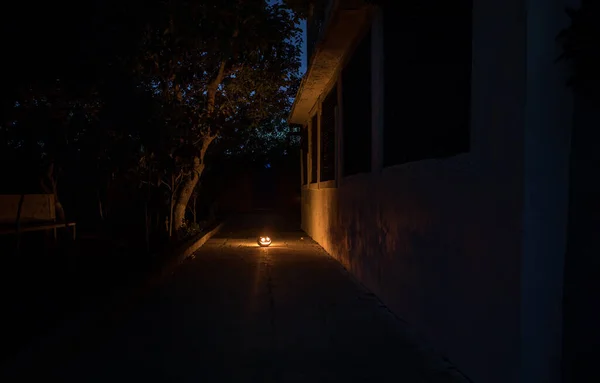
<point>549,122</point>
<point>442,251</point>
<point>458,247</point>
<point>582,268</point>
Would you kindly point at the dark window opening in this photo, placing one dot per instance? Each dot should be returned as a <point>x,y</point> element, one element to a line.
<point>356,105</point>
<point>328,136</point>
<point>304,146</point>
<point>427,76</point>
<point>314,141</point>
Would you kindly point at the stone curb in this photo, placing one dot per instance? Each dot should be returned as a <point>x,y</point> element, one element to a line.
<point>156,277</point>
<point>188,248</point>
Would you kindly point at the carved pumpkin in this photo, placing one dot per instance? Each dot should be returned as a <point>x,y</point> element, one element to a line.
<point>264,241</point>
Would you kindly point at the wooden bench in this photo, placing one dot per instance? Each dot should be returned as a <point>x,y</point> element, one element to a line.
<point>37,213</point>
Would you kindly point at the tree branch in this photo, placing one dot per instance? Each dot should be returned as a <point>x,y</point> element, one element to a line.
<point>212,89</point>
<point>214,85</point>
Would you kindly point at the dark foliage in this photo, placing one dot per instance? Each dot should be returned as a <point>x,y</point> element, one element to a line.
<point>114,94</point>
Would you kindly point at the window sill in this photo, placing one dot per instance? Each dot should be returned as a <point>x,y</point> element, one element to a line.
<point>320,185</point>
<point>328,184</point>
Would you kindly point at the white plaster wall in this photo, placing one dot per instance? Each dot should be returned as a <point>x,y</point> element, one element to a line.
<point>582,269</point>
<point>549,122</point>
<point>442,241</point>
<point>440,246</point>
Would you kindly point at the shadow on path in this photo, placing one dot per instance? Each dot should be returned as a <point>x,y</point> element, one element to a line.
<point>235,312</point>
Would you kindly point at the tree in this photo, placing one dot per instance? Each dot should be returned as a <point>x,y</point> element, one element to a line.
<point>136,98</point>
<point>217,65</point>
<point>50,103</point>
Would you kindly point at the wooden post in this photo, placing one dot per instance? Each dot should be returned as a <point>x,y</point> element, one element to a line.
<point>18,224</point>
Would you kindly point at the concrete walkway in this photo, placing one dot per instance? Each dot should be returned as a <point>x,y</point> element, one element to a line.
<point>235,312</point>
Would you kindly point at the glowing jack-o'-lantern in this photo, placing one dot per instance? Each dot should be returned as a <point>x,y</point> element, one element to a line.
<point>264,241</point>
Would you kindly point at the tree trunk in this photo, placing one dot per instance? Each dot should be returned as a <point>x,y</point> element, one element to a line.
<point>171,206</point>
<point>185,192</point>
<point>100,208</point>
<point>194,208</point>
<point>148,223</point>
<point>48,183</point>
<point>148,217</point>
<point>189,184</point>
